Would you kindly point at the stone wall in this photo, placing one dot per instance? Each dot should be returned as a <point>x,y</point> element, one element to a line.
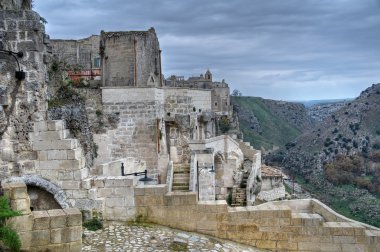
<point>283,226</point>
<point>23,101</point>
<point>53,230</point>
<point>131,59</point>
<point>83,52</point>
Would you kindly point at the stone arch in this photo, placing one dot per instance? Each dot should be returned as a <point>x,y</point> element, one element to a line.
<point>36,181</point>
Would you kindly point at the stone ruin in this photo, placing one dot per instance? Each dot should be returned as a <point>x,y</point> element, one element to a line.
<point>171,128</point>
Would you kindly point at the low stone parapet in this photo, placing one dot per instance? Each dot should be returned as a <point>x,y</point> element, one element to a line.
<point>51,230</point>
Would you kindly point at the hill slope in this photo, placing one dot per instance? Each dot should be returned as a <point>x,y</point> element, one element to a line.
<point>269,124</point>
<point>339,159</point>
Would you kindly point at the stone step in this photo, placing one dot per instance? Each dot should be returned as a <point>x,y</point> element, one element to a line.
<point>56,125</point>
<point>64,144</point>
<point>180,188</point>
<point>181,180</point>
<point>345,228</point>
<point>306,219</point>
<point>181,172</point>
<point>49,135</point>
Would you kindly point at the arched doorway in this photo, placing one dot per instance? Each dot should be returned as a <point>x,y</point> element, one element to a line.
<point>51,191</point>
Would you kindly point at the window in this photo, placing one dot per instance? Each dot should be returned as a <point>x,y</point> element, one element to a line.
<point>97,61</point>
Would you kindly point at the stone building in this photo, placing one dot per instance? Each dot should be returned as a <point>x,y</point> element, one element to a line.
<point>131,59</point>
<point>272,187</point>
<point>166,136</point>
<point>82,54</point>
<point>220,92</point>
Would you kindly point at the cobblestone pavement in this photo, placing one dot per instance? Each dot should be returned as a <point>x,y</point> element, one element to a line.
<point>119,237</point>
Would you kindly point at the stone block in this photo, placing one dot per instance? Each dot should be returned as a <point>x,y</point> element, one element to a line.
<point>65,144</point>
<point>104,192</point>
<point>22,205</point>
<point>58,235</point>
<point>313,246</point>
<point>74,217</point>
<point>76,246</point>
<point>18,191</point>
<point>112,182</point>
<point>266,244</point>
<point>40,126</point>
<point>99,182</point>
<point>330,247</point>
<point>73,233</point>
<point>23,223</point>
<point>87,183</point>
<point>75,154</point>
<point>70,185</point>
<point>42,155</point>
<point>40,237</point>
<point>124,192</point>
<point>285,245</point>
<point>41,220</point>
<point>56,125</point>
<point>93,193</point>
<point>80,194</point>
<point>115,202</point>
<point>81,174</point>
<point>57,154</point>
<point>57,218</point>
<point>26,239</point>
<point>207,225</point>
<point>139,191</point>
<point>65,175</point>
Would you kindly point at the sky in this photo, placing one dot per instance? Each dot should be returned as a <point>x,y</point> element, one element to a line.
<point>276,49</point>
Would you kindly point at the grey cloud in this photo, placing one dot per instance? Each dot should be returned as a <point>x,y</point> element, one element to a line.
<point>291,49</point>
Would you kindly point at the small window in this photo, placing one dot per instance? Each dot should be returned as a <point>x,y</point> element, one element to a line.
<point>216,104</point>
<point>97,61</point>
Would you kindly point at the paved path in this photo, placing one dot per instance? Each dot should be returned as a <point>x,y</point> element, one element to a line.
<point>119,237</point>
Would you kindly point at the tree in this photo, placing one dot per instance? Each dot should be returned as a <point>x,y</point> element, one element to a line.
<point>8,236</point>
<point>236,92</point>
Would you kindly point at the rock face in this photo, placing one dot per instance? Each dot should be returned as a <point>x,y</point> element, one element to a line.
<point>352,131</point>
<point>22,102</point>
<point>291,112</point>
<point>16,5</point>
<point>319,112</point>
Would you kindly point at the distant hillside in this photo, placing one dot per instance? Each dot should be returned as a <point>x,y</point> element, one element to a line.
<point>269,124</point>
<point>311,103</point>
<point>339,159</point>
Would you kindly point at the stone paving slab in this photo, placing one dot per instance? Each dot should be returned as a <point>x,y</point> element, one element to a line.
<point>119,237</point>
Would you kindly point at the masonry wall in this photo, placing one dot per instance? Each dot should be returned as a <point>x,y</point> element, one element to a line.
<point>137,133</point>
<point>22,102</point>
<point>77,52</point>
<point>131,59</point>
<point>53,230</point>
<point>277,227</point>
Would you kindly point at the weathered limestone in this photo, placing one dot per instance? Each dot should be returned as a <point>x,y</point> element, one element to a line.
<point>278,226</point>
<point>56,229</point>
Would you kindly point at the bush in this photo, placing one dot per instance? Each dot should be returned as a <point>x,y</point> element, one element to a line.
<point>8,236</point>
<point>93,225</point>
<point>224,124</point>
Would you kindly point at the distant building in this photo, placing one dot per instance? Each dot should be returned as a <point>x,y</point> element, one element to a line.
<point>220,91</point>
<point>272,187</point>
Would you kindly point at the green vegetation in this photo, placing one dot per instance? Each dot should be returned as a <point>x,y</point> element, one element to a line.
<point>65,95</point>
<point>175,246</point>
<point>224,124</point>
<point>93,225</point>
<point>140,221</point>
<point>353,170</point>
<point>275,131</point>
<point>8,236</point>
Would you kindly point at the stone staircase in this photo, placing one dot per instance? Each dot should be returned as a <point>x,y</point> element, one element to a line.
<point>59,157</point>
<point>181,177</point>
<point>239,195</point>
